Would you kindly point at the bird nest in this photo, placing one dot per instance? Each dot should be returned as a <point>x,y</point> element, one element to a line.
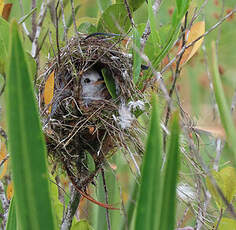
<point>94,106</point>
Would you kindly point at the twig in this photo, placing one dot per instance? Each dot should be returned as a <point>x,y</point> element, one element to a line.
<point>71,209</point>
<point>5,203</point>
<point>34,25</point>
<point>75,26</point>
<point>4,160</point>
<point>106,199</point>
<point>233,102</point>
<point>42,16</point>
<point>57,34</point>
<point>147,31</point>
<point>176,75</point>
<point>219,219</point>
<point>129,13</point>
<point>64,20</point>
<point>196,40</point>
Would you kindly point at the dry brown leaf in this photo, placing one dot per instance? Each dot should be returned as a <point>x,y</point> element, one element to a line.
<point>3,155</point>
<point>6,11</point>
<point>215,131</point>
<point>10,191</point>
<point>1,6</point>
<point>48,91</point>
<point>195,32</point>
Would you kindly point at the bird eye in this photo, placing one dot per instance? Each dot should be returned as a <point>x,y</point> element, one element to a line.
<point>87,80</point>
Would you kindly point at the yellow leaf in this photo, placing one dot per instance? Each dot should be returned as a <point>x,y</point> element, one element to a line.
<point>226,224</point>
<point>10,191</point>
<point>48,91</point>
<point>3,155</point>
<point>1,6</point>
<point>226,180</point>
<point>195,32</point>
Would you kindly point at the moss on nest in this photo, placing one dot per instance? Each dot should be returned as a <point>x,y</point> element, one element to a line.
<point>85,118</point>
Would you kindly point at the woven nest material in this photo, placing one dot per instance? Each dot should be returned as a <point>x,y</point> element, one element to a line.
<point>83,118</point>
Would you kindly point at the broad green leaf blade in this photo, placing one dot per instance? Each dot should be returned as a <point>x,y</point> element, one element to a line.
<point>114,20</point>
<point>109,82</point>
<point>136,56</point>
<point>87,27</point>
<point>226,180</point>
<point>224,109</point>
<point>149,194</point>
<point>153,24</point>
<point>227,223</point>
<point>167,218</point>
<point>11,221</point>
<point>133,4</point>
<point>26,144</point>
<point>103,4</point>
<point>174,31</point>
<point>4,38</point>
<point>81,225</point>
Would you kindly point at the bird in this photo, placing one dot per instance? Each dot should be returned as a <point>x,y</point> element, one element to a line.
<point>93,87</point>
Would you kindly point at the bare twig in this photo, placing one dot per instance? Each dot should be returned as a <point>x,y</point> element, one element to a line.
<point>129,13</point>
<point>233,102</point>
<point>57,34</point>
<point>106,199</point>
<point>64,20</point>
<point>196,40</point>
<point>42,16</point>
<point>147,31</point>
<point>71,209</point>
<point>219,219</point>
<point>34,24</point>
<point>5,204</point>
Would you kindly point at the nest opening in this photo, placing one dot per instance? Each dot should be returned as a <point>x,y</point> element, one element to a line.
<point>85,106</point>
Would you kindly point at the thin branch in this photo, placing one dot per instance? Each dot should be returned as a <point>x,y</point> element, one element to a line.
<point>71,209</point>
<point>196,40</point>
<point>106,199</point>
<point>64,20</point>
<point>129,13</point>
<point>42,16</point>
<point>5,204</point>
<point>57,34</point>
<point>147,31</point>
<point>34,24</point>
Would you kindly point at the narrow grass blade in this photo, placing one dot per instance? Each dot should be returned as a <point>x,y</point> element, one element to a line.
<point>136,56</point>
<point>149,193</point>
<point>26,144</point>
<point>167,218</point>
<point>11,221</point>
<point>224,109</point>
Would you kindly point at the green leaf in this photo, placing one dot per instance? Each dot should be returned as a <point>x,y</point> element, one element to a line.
<point>150,190</point>
<point>153,24</point>
<point>110,82</point>
<point>224,109</point>
<point>70,20</point>
<point>133,4</point>
<point>136,56</point>
<point>103,4</point>
<point>81,225</point>
<point>4,38</point>
<point>11,221</point>
<point>227,223</point>
<point>114,20</point>
<point>25,17</point>
<point>226,180</point>
<point>26,143</point>
<point>168,207</point>
<point>87,28</point>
